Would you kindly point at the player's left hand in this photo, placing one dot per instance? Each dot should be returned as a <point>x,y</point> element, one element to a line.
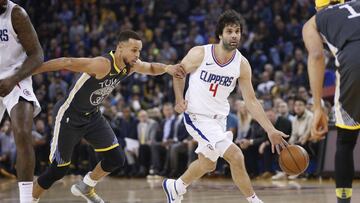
<point>176,71</point>
<point>6,86</point>
<point>277,140</point>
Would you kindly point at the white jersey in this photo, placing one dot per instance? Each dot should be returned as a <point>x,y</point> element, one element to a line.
<point>211,84</point>
<point>12,53</point>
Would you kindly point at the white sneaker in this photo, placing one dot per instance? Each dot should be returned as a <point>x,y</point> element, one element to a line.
<point>171,192</point>
<point>279,176</point>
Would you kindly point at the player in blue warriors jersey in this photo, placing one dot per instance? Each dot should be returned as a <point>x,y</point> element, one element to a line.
<point>338,25</point>
<point>78,115</point>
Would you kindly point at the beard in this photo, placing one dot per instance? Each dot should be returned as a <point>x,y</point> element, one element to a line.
<point>229,47</point>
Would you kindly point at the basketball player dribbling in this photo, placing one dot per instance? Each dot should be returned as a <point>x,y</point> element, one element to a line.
<point>214,70</point>
<point>338,25</point>
<point>78,115</point>
<point>20,54</point>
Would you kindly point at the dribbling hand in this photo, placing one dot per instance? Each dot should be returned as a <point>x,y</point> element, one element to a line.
<point>277,140</point>
<point>181,106</point>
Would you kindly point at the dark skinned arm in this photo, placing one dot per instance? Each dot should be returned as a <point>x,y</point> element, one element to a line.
<point>30,42</point>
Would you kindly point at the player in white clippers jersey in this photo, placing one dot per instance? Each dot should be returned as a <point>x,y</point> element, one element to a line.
<point>214,70</point>
<point>20,54</point>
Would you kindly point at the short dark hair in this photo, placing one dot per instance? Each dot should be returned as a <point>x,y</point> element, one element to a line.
<point>229,17</point>
<point>128,34</point>
<point>300,99</point>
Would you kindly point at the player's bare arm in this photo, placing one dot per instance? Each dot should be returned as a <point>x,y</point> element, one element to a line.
<point>98,67</point>
<point>316,69</point>
<point>255,108</point>
<point>29,40</point>
<point>158,69</point>
<point>190,63</point>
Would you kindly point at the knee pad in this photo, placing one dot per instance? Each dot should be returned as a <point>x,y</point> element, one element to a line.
<point>51,175</point>
<point>113,159</point>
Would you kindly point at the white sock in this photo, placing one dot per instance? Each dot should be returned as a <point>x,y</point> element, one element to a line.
<point>254,199</point>
<point>180,186</point>
<point>88,181</point>
<point>25,192</point>
<point>34,200</point>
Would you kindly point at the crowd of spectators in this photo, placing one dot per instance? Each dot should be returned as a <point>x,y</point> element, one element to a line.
<point>140,110</point>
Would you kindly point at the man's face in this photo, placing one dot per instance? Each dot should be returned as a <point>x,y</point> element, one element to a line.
<point>283,108</point>
<point>3,5</point>
<point>168,111</point>
<point>130,51</point>
<point>299,108</point>
<point>143,117</point>
<point>231,37</point>
<point>271,116</point>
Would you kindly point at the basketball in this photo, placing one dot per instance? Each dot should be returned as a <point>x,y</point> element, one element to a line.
<point>293,160</point>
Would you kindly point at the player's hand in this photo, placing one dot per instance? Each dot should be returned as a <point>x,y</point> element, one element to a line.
<point>181,106</point>
<point>319,125</point>
<point>177,71</point>
<point>277,140</point>
<point>6,86</point>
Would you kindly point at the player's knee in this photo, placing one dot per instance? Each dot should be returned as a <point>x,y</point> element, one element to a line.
<point>237,159</point>
<point>22,138</point>
<point>51,175</point>
<point>113,159</point>
<point>208,165</point>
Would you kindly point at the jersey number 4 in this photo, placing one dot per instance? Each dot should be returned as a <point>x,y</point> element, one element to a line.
<point>213,88</point>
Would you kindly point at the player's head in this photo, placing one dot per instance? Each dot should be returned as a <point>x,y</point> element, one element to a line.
<point>320,4</point>
<point>129,47</point>
<point>228,29</point>
<point>3,6</point>
<point>299,106</point>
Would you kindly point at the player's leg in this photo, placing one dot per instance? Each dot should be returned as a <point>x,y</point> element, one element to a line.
<point>102,138</point>
<point>235,158</point>
<point>66,136</point>
<point>175,189</point>
<point>344,163</point>
<point>21,116</point>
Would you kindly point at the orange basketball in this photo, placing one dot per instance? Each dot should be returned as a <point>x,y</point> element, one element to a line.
<point>293,160</point>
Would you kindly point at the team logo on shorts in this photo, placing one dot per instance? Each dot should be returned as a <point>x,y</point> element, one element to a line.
<point>26,92</point>
<point>210,147</point>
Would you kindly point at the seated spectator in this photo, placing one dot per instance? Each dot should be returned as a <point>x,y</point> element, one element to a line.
<point>164,138</point>
<point>7,150</point>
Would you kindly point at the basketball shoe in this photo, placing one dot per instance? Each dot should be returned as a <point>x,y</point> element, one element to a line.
<point>82,190</point>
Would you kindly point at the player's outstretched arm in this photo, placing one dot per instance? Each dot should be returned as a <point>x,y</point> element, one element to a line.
<point>190,63</point>
<point>98,66</point>
<point>255,108</point>
<point>316,70</point>
<point>159,69</point>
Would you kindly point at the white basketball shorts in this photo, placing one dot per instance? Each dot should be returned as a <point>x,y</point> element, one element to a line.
<point>211,135</point>
<point>22,89</point>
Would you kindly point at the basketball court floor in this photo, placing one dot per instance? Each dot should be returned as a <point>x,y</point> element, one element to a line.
<point>122,190</point>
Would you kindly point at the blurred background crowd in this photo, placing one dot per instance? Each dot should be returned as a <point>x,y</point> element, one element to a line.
<point>141,109</point>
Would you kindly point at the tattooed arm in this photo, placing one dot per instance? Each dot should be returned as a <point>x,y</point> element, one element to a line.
<point>30,42</point>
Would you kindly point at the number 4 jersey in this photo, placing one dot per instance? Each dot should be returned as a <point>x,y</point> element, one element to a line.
<point>211,84</point>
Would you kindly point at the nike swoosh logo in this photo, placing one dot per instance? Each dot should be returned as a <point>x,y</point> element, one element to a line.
<point>26,183</point>
<point>208,64</point>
